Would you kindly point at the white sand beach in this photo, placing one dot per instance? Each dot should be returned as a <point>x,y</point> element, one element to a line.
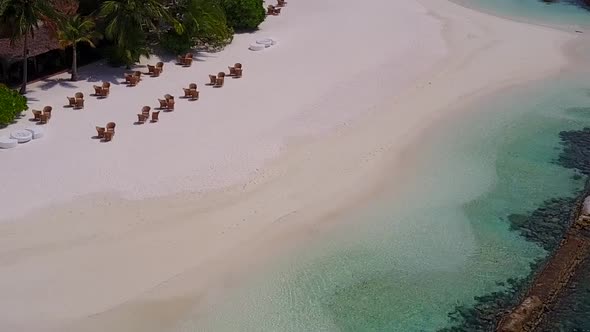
<point>91,233</point>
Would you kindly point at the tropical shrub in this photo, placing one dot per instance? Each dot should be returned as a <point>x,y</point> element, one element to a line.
<point>176,43</point>
<point>244,14</point>
<point>73,30</point>
<point>12,104</point>
<point>203,23</point>
<point>127,24</point>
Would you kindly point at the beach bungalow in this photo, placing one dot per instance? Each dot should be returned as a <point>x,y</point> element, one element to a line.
<point>44,52</point>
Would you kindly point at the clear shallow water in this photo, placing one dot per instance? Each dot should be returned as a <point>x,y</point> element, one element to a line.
<point>563,13</point>
<point>403,263</point>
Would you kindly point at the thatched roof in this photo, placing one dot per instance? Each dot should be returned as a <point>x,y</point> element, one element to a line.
<point>44,39</point>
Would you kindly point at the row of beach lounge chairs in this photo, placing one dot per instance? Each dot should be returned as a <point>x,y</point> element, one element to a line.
<point>106,133</point>
<point>156,70</point>
<point>166,104</point>
<point>42,117</point>
<point>218,80</point>
<point>77,101</point>
<point>103,90</point>
<point>186,60</point>
<point>145,115</point>
<point>192,93</point>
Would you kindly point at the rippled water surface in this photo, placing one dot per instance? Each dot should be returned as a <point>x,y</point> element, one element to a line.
<point>563,13</point>
<point>403,262</point>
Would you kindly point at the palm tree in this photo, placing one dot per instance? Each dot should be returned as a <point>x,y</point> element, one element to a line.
<point>73,30</point>
<point>126,24</point>
<point>23,17</point>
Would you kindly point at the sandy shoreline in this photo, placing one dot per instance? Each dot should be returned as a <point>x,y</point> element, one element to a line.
<point>103,254</point>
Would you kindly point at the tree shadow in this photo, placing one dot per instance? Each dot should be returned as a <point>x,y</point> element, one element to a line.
<point>49,83</point>
<point>2,126</point>
<point>103,73</point>
<point>202,56</point>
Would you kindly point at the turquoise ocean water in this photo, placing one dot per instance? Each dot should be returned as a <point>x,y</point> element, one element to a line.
<point>403,263</point>
<point>561,13</point>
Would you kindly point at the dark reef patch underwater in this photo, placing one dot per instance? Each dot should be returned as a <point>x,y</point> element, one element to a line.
<point>544,226</point>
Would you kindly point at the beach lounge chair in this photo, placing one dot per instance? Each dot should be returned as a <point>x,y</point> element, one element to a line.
<point>97,90</point>
<point>79,103</point>
<point>236,70</point>
<point>79,95</point>
<point>219,82</point>
<point>160,65</point>
<point>281,3</point>
<point>220,79</point>
<point>185,60</point>
<point>156,72</point>
<point>169,99</point>
<point>155,116</point>
<point>151,69</point>
<point>270,10</point>
<point>170,104</point>
<point>194,95</point>
<point>277,11</point>
<point>212,79</point>
<point>110,128</point>
<point>128,78</point>
<point>133,80</point>
<point>108,136</point>
<point>105,89</point>
<point>71,101</point>
<point>187,92</point>
<point>141,118</point>
<point>104,92</point>
<point>47,111</point>
<point>232,70</point>
<point>100,132</point>
<point>146,111</point>
<point>163,103</point>
<point>43,118</point>
<point>36,115</point>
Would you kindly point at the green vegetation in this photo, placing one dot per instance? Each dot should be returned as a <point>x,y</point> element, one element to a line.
<point>127,24</point>
<point>12,104</point>
<point>203,23</point>
<point>73,30</point>
<point>129,29</point>
<point>244,15</point>
<point>22,18</point>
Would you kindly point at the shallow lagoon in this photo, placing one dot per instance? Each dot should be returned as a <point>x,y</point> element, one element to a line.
<point>403,263</point>
<point>565,13</point>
